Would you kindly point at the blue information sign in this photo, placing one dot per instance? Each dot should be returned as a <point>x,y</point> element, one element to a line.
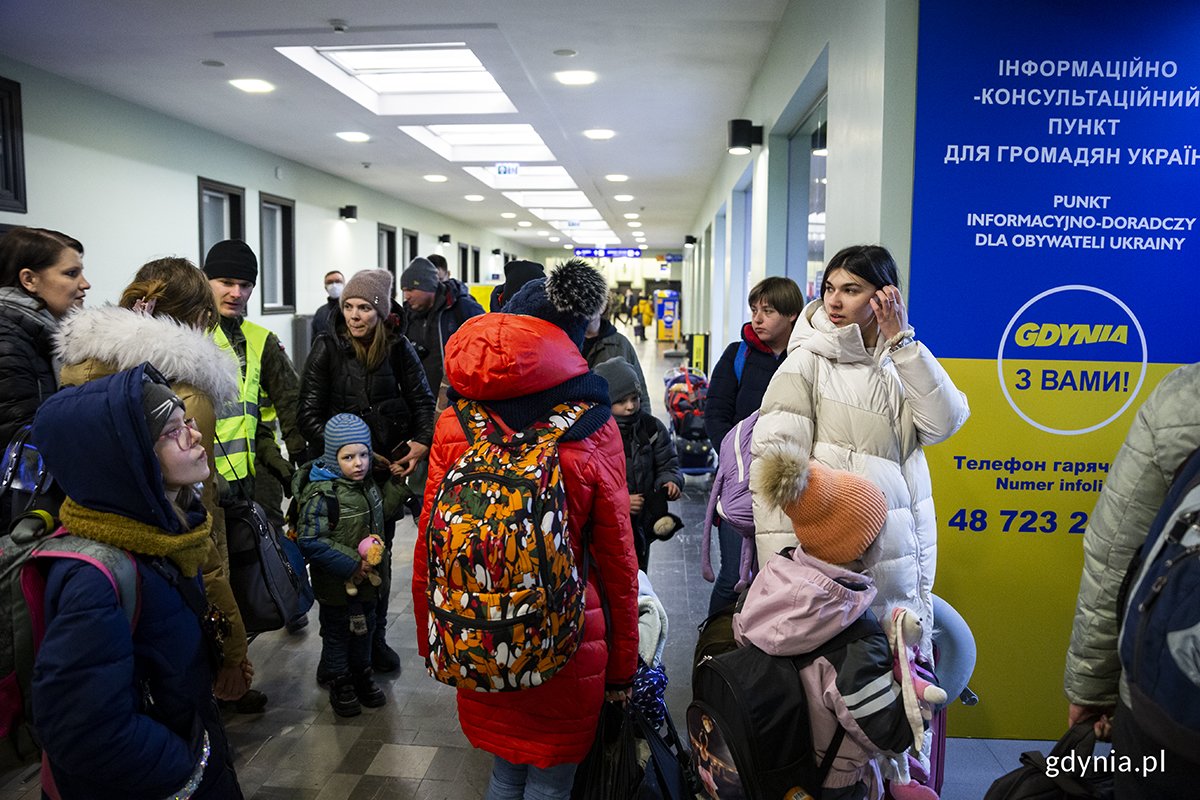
<point>1054,248</point>
<point>604,252</point>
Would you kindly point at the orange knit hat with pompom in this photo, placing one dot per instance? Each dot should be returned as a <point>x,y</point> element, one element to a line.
<point>836,514</point>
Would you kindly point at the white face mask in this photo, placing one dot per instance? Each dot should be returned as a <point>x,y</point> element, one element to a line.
<point>334,290</point>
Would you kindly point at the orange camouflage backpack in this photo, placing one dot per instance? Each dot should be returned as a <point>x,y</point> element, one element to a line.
<point>506,601</point>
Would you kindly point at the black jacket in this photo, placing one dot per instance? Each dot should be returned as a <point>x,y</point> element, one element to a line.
<point>650,464</point>
<point>730,401</point>
<point>322,321</point>
<point>26,360</point>
<point>394,400</point>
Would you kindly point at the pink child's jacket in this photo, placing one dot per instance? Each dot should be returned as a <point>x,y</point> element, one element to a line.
<point>797,604</point>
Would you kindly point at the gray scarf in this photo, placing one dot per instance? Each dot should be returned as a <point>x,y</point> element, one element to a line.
<point>33,309</point>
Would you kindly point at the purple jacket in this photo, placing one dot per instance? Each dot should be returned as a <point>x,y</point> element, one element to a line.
<point>797,604</point>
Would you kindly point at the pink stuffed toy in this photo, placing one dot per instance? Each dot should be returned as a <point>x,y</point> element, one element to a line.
<point>903,628</point>
<point>370,550</point>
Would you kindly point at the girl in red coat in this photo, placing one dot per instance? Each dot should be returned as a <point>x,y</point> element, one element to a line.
<point>520,364</point>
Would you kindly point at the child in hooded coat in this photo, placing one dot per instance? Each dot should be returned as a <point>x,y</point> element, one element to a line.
<point>651,465</point>
<point>124,713</point>
<point>801,600</point>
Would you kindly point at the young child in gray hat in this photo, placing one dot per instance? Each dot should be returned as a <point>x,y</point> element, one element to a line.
<point>651,465</point>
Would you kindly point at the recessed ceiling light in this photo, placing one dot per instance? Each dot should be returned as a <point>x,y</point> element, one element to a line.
<point>599,133</point>
<point>353,136</point>
<point>474,198</point>
<point>622,198</point>
<point>568,247</point>
<point>634,224</point>
<point>525,223</point>
<point>575,77</point>
<point>543,233</point>
<point>436,178</point>
<point>565,52</point>
<point>252,85</point>
<point>554,239</point>
<point>632,215</point>
<point>616,177</point>
<point>509,215</point>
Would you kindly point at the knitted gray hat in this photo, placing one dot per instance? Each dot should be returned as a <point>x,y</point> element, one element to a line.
<point>158,403</point>
<point>374,286</point>
<point>231,259</point>
<point>341,430</point>
<point>420,274</point>
<point>621,376</point>
<point>574,292</point>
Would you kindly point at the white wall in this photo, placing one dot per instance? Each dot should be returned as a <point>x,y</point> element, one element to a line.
<point>867,50</point>
<point>123,180</point>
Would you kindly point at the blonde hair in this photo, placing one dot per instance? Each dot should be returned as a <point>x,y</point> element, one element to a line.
<point>179,290</point>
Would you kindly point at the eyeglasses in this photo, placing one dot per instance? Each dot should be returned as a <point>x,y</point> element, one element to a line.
<point>183,434</point>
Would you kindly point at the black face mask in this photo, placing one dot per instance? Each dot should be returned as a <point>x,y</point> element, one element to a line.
<point>626,422</point>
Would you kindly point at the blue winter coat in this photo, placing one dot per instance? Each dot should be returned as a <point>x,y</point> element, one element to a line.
<point>121,713</point>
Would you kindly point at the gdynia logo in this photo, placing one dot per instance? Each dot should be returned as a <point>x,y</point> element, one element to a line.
<point>1071,359</point>
<point>1033,334</point>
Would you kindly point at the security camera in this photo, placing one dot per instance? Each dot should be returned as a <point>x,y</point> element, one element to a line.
<point>339,25</point>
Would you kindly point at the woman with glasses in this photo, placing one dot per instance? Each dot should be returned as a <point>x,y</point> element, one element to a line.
<point>163,319</point>
<point>123,705</point>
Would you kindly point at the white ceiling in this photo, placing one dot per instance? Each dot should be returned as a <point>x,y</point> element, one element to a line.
<point>671,73</point>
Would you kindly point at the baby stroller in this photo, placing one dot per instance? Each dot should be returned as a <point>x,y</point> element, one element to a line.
<point>686,392</point>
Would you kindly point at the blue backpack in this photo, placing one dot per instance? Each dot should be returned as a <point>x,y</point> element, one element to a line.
<point>1159,642</point>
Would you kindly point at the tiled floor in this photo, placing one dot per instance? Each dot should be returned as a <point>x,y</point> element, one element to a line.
<point>412,747</point>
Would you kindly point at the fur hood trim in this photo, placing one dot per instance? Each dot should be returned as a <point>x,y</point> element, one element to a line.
<point>126,338</point>
<point>780,474</point>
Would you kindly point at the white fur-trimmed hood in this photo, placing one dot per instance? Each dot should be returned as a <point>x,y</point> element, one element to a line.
<point>126,338</point>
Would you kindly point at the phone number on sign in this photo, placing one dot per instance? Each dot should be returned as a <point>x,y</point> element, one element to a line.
<point>1018,521</point>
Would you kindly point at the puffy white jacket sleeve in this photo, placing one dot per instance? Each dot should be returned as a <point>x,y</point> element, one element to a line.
<point>938,408</point>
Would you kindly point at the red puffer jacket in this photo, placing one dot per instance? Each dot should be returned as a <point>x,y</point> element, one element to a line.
<point>506,356</point>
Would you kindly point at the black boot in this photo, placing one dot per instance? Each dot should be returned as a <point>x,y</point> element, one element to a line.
<point>343,698</point>
<point>369,694</point>
<point>384,658</point>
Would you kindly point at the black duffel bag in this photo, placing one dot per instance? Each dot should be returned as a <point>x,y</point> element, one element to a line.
<point>266,570</point>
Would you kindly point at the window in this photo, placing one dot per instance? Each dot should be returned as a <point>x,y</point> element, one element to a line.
<point>277,255</point>
<point>12,148</point>
<point>222,214</point>
<point>410,245</point>
<point>463,263</point>
<point>387,249</point>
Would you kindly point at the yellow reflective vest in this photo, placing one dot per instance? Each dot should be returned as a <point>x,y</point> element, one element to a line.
<point>235,453</point>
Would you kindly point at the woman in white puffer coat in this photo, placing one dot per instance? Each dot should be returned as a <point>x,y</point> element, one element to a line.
<point>860,393</point>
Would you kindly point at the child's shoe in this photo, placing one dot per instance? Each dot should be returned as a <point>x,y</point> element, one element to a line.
<point>343,697</point>
<point>369,693</point>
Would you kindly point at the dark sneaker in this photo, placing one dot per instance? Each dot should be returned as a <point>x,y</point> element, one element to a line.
<point>369,693</point>
<point>343,698</point>
<point>252,702</point>
<point>384,658</point>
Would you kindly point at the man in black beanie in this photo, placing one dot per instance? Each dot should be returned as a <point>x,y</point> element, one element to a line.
<point>269,389</point>
<point>433,310</point>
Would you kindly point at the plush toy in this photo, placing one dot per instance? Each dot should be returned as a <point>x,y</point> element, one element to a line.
<point>903,628</point>
<point>370,550</point>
